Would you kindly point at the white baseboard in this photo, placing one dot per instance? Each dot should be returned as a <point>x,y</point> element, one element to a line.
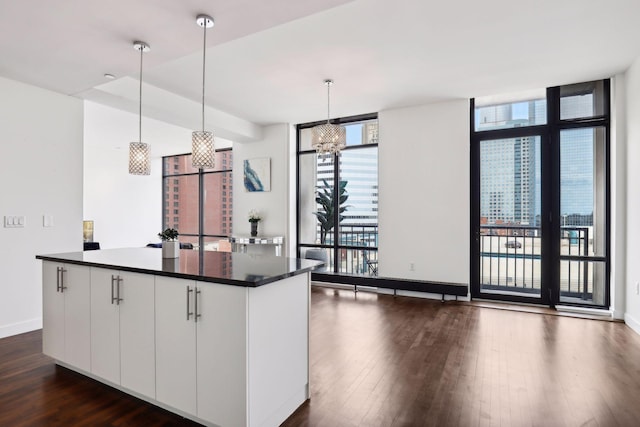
<point>585,310</point>
<point>632,323</point>
<point>20,327</point>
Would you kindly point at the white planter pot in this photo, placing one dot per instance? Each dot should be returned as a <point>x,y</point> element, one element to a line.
<point>170,249</point>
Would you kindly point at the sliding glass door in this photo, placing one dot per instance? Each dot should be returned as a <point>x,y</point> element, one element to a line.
<point>510,233</point>
<point>540,200</point>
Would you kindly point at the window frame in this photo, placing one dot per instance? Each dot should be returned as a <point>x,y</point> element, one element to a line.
<point>335,245</point>
<point>201,173</point>
<point>550,208</point>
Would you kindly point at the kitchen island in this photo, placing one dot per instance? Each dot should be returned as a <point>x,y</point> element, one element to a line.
<point>220,338</point>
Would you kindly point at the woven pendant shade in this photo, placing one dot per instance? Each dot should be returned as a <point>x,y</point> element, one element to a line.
<point>202,149</point>
<point>139,154</point>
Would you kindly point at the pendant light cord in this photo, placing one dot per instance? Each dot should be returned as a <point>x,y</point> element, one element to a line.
<point>204,62</point>
<point>140,99</point>
<point>328,102</point>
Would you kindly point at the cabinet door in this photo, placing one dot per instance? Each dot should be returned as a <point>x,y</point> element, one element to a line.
<point>77,316</point>
<point>105,325</point>
<point>137,333</point>
<point>175,344</point>
<point>222,350</point>
<point>52,312</point>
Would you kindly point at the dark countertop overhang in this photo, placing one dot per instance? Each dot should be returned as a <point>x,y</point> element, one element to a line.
<point>230,268</point>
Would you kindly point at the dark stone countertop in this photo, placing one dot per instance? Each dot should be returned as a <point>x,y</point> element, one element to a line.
<point>229,268</point>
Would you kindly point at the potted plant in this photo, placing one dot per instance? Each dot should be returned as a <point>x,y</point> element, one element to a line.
<point>254,219</point>
<point>170,244</point>
<point>326,198</point>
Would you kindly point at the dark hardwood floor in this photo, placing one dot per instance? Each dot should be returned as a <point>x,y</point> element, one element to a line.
<point>36,392</point>
<point>377,360</point>
<point>383,361</point>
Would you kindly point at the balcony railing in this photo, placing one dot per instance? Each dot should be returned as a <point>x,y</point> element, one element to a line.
<point>357,249</point>
<point>510,260</point>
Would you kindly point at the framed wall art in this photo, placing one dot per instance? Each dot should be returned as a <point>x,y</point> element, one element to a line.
<point>257,174</point>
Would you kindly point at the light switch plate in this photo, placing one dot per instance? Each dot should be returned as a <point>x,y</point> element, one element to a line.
<point>15,221</point>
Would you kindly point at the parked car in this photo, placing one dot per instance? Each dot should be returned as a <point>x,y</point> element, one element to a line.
<point>513,244</point>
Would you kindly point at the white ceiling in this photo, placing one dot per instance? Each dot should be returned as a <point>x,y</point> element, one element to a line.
<point>267,58</point>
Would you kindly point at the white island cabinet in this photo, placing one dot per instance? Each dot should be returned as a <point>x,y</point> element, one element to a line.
<point>201,343</point>
<point>65,310</point>
<point>123,329</point>
<point>220,338</point>
<point>175,344</point>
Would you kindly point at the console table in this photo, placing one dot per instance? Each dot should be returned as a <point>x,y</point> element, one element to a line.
<point>240,242</point>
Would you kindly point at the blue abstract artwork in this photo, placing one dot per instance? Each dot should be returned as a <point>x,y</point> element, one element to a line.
<point>257,174</point>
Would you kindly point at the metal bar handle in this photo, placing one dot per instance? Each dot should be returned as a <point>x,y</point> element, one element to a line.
<point>118,281</point>
<point>113,279</point>
<point>62,286</point>
<point>189,313</point>
<point>195,318</point>
<point>58,274</point>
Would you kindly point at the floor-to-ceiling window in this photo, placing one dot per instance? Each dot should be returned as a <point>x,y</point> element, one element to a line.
<point>540,196</point>
<point>338,199</point>
<point>198,203</point>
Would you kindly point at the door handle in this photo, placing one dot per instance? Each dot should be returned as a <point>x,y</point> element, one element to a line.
<point>113,279</point>
<point>58,274</point>
<point>118,281</point>
<point>195,318</point>
<point>62,286</point>
<point>189,313</point>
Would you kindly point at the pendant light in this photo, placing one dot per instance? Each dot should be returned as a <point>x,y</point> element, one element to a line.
<point>139,152</point>
<point>202,149</point>
<point>328,138</point>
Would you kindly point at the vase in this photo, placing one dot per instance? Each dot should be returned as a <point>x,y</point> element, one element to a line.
<point>170,249</point>
<point>254,229</point>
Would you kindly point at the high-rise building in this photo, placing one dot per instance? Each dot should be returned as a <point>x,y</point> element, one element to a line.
<point>510,178</point>
<point>508,169</point>
<point>360,169</point>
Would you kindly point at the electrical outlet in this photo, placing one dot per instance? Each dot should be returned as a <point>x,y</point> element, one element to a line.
<point>412,267</point>
<point>47,220</point>
<point>637,288</point>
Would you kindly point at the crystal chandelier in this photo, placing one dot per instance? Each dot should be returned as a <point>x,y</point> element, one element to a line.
<point>139,152</point>
<point>328,138</point>
<point>202,148</point>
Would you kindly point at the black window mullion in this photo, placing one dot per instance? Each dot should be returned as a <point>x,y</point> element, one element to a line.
<point>336,210</point>
<point>551,202</point>
<point>298,207</point>
<point>474,185</point>
<point>607,111</point>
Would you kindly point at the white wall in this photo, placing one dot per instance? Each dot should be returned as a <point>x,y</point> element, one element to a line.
<point>618,164</point>
<point>41,139</point>
<point>273,205</point>
<point>126,209</point>
<point>632,313</point>
<point>424,192</point>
